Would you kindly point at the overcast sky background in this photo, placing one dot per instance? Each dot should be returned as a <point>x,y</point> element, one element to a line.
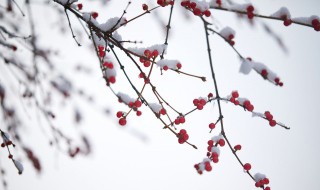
<point>142,155</point>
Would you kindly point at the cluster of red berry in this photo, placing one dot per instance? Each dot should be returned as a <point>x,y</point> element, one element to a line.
<point>164,3</point>
<point>250,13</point>
<point>182,136</point>
<point>195,8</point>
<point>147,56</point>
<point>199,103</point>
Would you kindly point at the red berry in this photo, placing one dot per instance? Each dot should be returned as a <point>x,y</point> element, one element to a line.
<point>112,79</point>
<point>182,131</point>
<point>287,22</point>
<point>246,103</point>
<point>222,142</point>
<point>210,143</point>
<point>10,156</point>
<point>79,6</point>
<point>95,15</point>
<point>119,114</point>
<point>317,27</point>
<point>247,166</point>
<point>208,167</point>
<point>163,111</point>
<point>147,64</point>
<point>235,94</point>
<point>264,73</point>
<point>122,121</point>
<point>165,67</point>
<point>210,95</point>
<point>250,15</point>
<point>215,159</point>
<point>236,102</point>
<point>277,80</point>
<point>231,36</point>
<point>265,181</point>
<point>315,22</point>
<point>176,121</point>
<point>267,188</point>
<point>237,147</point>
<point>212,125</point>
<point>268,115</point>
<point>155,53</point>
<point>272,123</point>
<point>193,5</point>
<point>195,102</point>
<point>139,113</point>
<point>147,52</point>
<point>144,7</point>
<point>202,102</point>
<point>207,13</point>
<point>3,145</point>
<point>182,119</point>
<point>137,103</point>
<point>179,65</point>
<point>250,8</point>
<point>250,107</point>
<point>258,184</point>
<point>196,11</point>
<point>199,107</point>
<point>141,75</point>
<point>181,141</point>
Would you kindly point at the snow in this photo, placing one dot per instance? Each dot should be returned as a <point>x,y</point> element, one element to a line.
<point>18,165</point>
<point>171,64</point>
<point>112,23</point>
<point>305,20</point>
<point>217,138</point>
<point>125,98</point>
<point>140,51</point>
<point>283,11</point>
<point>239,7</point>
<point>258,176</point>
<point>216,150</point>
<point>155,107</point>
<point>246,66</point>
<point>226,31</point>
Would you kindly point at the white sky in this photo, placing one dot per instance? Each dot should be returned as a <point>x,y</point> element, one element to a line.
<point>144,156</point>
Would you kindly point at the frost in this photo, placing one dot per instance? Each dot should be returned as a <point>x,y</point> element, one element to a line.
<point>246,66</point>
<point>283,11</point>
<point>18,165</point>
